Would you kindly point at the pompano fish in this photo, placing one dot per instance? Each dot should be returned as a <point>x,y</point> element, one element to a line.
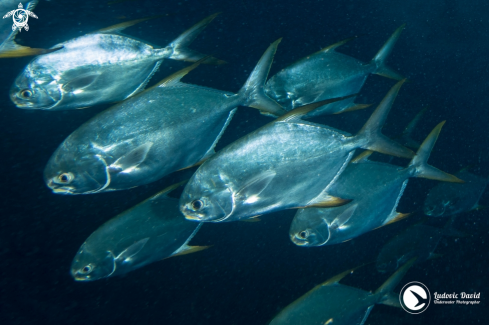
<point>375,188</point>
<point>8,47</point>
<point>419,240</point>
<point>168,127</point>
<point>149,232</point>
<point>288,163</point>
<point>99,67</point>
<point>445,200</point>
<point>332,303</point>
<point>328,74</point>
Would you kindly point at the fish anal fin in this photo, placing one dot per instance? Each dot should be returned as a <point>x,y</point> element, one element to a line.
<point>132,159</point>
<point>252,219</point>
<point>355,107</point>
<point>328,202</point>
<point>189,250</point>
<point>399,216</point>
<point>362,157</point>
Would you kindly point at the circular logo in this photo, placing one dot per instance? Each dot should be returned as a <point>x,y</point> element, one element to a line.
<point>415,297</point>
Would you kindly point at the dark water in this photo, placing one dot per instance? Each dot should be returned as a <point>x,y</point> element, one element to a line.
<point>253,270</point>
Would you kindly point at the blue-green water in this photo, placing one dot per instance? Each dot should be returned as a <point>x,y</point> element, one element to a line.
<point>252,270</point>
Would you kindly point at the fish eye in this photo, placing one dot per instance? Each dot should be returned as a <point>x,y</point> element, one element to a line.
<point>304,234</point>
<point>86,269</point>
<point>66,178</point>
<point>26,93</point>
<point>197,205</point>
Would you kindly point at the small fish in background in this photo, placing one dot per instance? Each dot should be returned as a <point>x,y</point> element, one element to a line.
<point>168,127</point>
<point>375,189</point>
<point>419,240</point>
<point>332,303</point>
<point>445,200</point>
<point>150,231</point>
<point>288,163</point>
<point>329,74</point>
<point>100,67</point>
<point>8,47</point>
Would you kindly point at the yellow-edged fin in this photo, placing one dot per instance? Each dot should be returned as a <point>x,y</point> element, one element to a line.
<point>121,26</point>
<point>362,157</point>
<point>13,50</point>
<point>337,278</point>
<point>177,76</point>
<point>399,216</point>
<point>356,107</point>
<point>190,250</point>
<point>328,202</point>
<point>173,187</point>
<point>334,46</point>
<point>298,112</point>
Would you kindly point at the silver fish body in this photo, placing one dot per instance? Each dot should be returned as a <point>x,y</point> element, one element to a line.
<point>288,163</point>
<point>149,232</point>
<point>375,189</point>
<point>419,240</point>
<point>96,68</point>
<point>327,74</point>
<point>168,127</point>
<point>445,200</point>
<point>334,303</point>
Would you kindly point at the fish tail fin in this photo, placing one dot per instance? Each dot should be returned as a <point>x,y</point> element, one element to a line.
<point>385,291</point>
<point>179,46</point>
<point>379,60</point>
<point>419,164</point>
<point>253,94</point>
<point>370,136</point>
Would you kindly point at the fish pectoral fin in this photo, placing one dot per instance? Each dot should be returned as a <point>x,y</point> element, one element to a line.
<point>120,27</point>
<point>185,249</point>
<point>343,218</point>
<point>133,249</point>
<point>327,201</point>
<point>132,159</point>
<point>81,82</point>
<point>255,186</point>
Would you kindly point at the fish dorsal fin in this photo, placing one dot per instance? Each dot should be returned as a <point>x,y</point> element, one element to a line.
<point>10,49</point>
<point>254,187</point>
<point>334,46</point>
<point>252,219</point>
<point>344,217</point>
<point>133,158</point>
<point>81,82</point>
<point>121,26</point>
<point>299,112</point>
<point>185,249</point>
<point>169,189</point>
<point>337,278</point>
<point>354,107</point>
<point>363,157</point>
<point>175,78</point>
<point>190,34</point>
<point>132,250</point>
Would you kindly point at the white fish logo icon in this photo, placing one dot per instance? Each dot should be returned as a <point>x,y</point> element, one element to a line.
<point>20,17</point>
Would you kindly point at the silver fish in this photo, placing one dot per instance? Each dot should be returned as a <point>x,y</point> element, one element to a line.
<point>375,188</point>
<point>419,240</point>
<point>8,47</point>
<point>445,200</point>
<point>288,163</point>
<point>99,67</point>
<point>332,303</point>
<point>149,232</point>
<point>166,128</point>
<point>328,74</point>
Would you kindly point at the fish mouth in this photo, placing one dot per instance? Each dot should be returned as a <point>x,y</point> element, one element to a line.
<point>299,242</point>
<point>81,279</point>
<point>63,190</point>
<point>193,218</point>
